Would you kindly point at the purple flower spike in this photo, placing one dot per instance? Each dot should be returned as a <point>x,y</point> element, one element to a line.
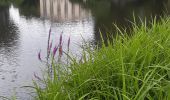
<point>39,55</point>
<point>61,37</point>
<point>49,36</point>
<point>51,44</point>
<point>60,51</point>
<point>50,47</point>
<point>50,31</point>
<point>55,50</point>
<point>68,44</point>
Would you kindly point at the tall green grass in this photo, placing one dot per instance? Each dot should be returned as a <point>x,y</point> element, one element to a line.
<point>130,67</point>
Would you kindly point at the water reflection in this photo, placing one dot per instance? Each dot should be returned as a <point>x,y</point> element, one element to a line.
<point>9,45</point>
<point>108,12</point>
<point>62,10</point>
<point>8,30</point>
<point>29,8</point>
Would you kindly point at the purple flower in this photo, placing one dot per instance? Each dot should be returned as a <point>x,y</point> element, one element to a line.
<point>68,44</point>
<point>39,55</point>
<point>49,49</point>
<point>49,35</point>
<point>60,45</point>
<point>51,44</point>
<point>60,50</point>
<point>61,37</point>
<point>55,50</point>
<point>50,31</point>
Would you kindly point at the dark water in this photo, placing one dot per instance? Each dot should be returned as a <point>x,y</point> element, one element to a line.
<point>24,30</point>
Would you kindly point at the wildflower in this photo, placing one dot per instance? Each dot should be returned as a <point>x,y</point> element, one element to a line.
<point>49,49</point>
<point>55,50</point>
<point>51,45</point>
<point>60,45</point>
<point>49,36</point>
<point>39,55</point>
<point>60,50</point>
<point>68,46</point>
<point>61,37</point>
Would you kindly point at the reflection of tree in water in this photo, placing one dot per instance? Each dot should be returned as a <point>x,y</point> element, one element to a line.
<point>8,30</point>
<point>107,12</point>
<point>29,8</point>
<point>62,11</point>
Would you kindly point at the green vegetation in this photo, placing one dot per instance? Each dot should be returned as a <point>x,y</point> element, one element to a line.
<point>5,2</point>
<point>8,2</point>
<point>130,67</point>
<point>16,2</point>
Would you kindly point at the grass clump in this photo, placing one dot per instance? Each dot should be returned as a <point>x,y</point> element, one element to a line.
<point>135,67</point>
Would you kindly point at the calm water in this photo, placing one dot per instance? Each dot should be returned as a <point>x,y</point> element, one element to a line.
<point>24,30</point>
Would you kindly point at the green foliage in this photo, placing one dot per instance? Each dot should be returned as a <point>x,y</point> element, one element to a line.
<point>7,2</point>
<point>135,67</point>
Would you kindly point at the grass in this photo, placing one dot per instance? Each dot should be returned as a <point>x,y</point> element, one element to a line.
<point>130,67</point>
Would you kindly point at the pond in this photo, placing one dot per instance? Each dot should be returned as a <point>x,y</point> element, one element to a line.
<point>24,29</point>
